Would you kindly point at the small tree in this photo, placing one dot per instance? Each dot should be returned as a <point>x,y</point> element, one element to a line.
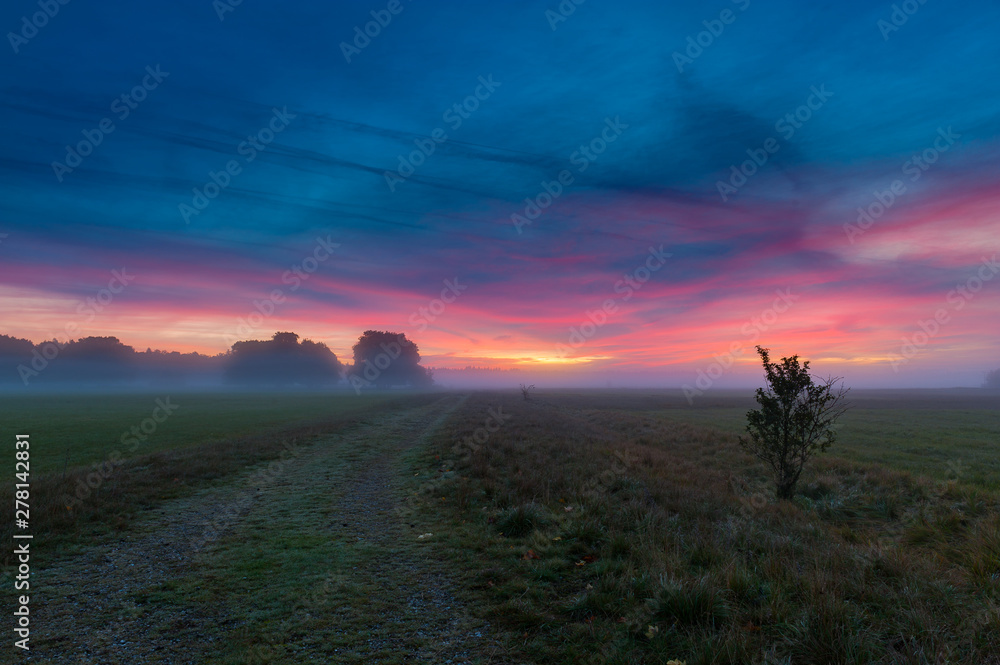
<point>795,419</point>
<point>526,391</point>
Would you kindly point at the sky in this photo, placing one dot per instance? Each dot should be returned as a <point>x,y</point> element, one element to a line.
<point>636,192</point>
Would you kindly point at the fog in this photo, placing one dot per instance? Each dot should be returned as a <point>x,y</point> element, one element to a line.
<point>104,364</point>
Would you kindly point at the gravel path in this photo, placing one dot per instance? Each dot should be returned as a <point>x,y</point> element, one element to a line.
<point>95,607</point>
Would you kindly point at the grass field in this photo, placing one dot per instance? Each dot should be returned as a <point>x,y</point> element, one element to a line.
<point>78,430</point>
<point>607,524</point>
<point>585,527</point>
<point>934,433</point>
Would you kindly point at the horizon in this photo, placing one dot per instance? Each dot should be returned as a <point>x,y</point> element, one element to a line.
<point>550,201</point>
<point>714,378</point>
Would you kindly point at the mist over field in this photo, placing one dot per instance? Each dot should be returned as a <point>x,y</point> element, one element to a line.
<point>105,363</point>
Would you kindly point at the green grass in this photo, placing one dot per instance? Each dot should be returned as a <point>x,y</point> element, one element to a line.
<point>189,449</point>
<point>922,441</point>
<point>282,583</point>
<point>291,591</point>
<point>592,527</point>
<point>278,577</point>
<point>942,434</point>
<point>643,533</point>
<point>79,430</point>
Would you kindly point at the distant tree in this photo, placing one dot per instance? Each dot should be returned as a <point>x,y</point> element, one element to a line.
<point>282,361</point>
<point>795,419</point>
<point>15,346</point>
<point>14,351</point>
<point>284,339</point>
<point>99,348</point>
<point>96,360</point>
<point>992,381</point>
<point>386,359</point>
<point>93,360</point>
<point>526,391</point>
<point>158,367</point>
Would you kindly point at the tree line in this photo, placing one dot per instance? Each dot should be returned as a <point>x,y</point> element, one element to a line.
<point>281,361</point>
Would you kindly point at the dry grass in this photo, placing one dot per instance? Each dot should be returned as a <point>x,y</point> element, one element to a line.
<point>604,534</point>
<point>604,528</point>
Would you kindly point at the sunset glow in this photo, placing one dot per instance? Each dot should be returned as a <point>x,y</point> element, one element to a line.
<point>650,256</point>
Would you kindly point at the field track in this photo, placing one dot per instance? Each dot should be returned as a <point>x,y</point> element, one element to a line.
<point>308,563</point>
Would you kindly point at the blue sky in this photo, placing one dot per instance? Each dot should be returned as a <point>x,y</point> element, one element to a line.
<point>348,123</point>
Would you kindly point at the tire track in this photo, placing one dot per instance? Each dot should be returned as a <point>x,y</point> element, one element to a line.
<point>93,607</point>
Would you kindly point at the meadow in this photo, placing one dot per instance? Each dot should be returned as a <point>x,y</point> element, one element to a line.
<point>581,526</point>
<point>631,528</point>
<point>73,429</point>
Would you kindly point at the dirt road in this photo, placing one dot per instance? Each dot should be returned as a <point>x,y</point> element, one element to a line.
<point>305,560</point>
